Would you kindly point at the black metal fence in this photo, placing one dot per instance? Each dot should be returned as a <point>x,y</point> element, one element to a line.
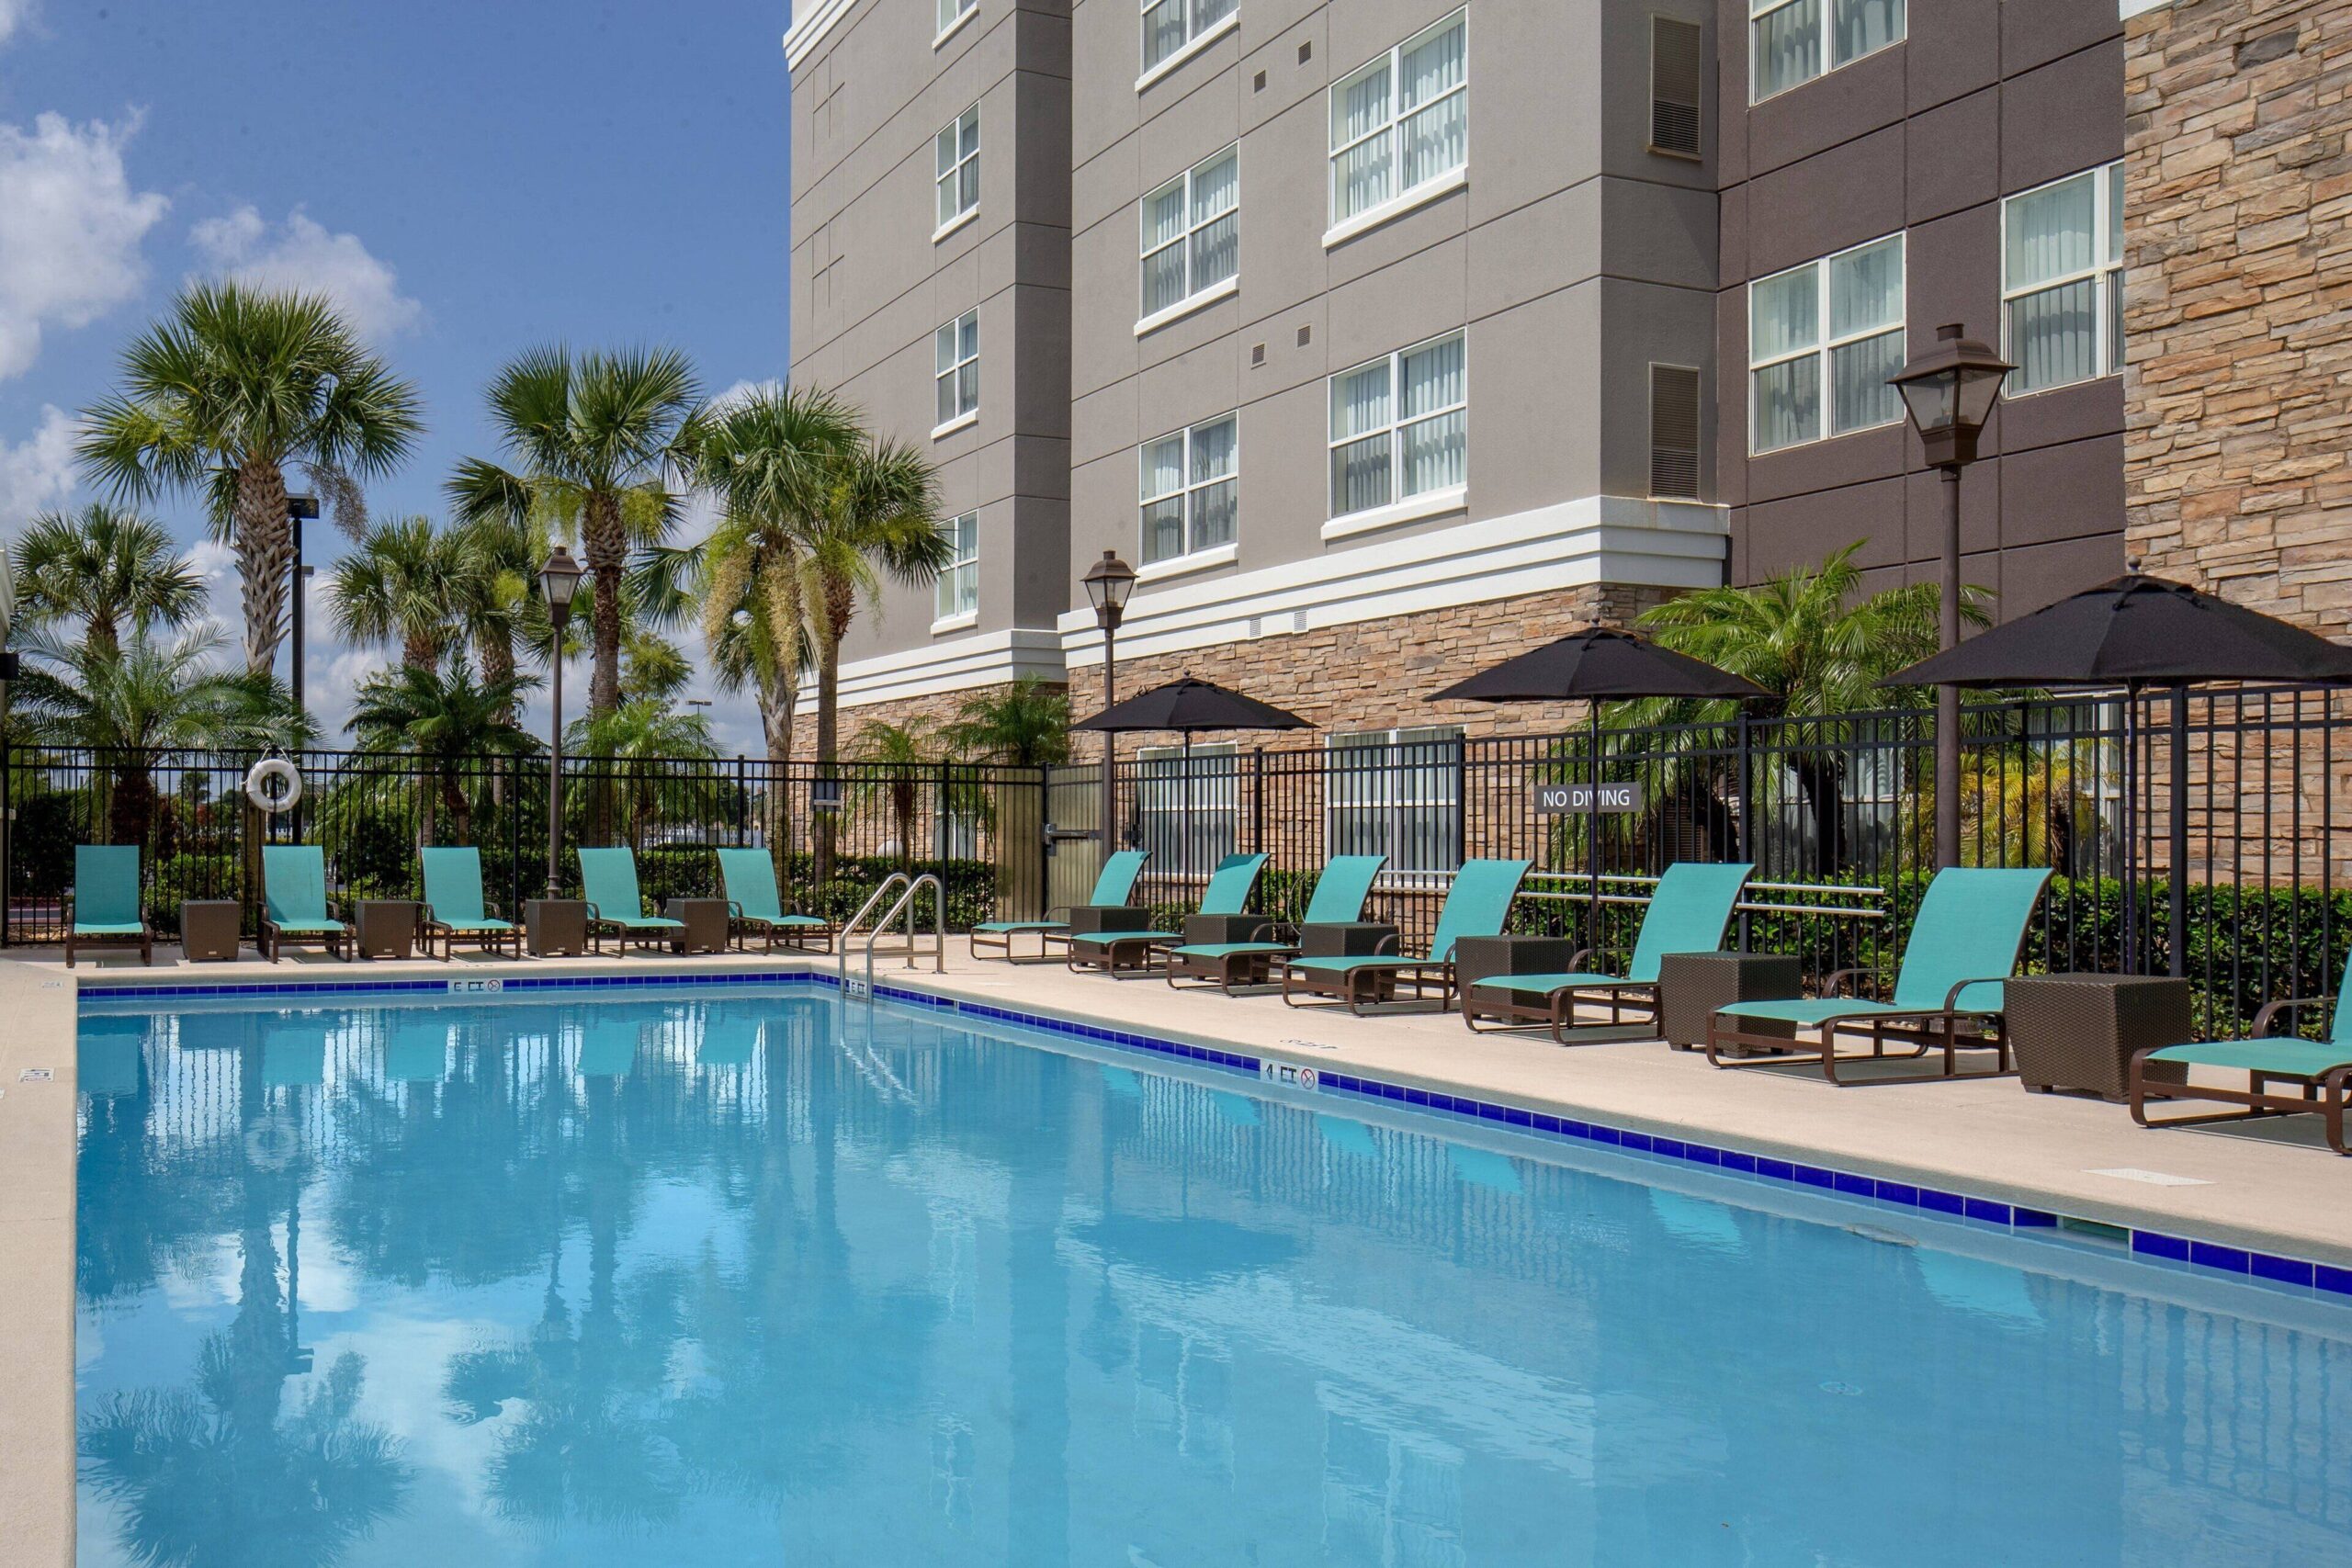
<point>1836,813</point>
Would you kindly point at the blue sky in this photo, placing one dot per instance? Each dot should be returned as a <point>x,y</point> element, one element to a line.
<point>468,178</point>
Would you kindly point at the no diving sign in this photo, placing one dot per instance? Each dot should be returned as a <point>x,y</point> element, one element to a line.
<point>1565,799</point>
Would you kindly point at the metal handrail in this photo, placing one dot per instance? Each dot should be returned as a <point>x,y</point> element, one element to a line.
<point>849,930</point>
<point>906,902</point>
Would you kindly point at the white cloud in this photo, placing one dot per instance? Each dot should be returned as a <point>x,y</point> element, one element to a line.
<point>13,14</point>
<point>36,473</point>
<point>70,227</point>
<point>301,254</point>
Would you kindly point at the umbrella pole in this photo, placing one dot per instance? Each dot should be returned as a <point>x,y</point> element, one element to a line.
<point>1188,801</point>
<point>2176,922</point>
<point>2130,827</point>
<point>1592,843</point>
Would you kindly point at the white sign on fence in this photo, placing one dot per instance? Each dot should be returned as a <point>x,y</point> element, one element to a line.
<point>1562,799</point>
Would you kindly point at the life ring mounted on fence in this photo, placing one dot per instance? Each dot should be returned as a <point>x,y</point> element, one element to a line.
<point>274,784</point>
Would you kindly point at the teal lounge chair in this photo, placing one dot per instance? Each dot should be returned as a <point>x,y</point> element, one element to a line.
<point>608,884</point>
<point>1688,912</point>
<point>1964,942</point>
<point>2319,1071</point>
<point>756,909</point>
<point>1130,951</point>
<point>453,905</point>
<point>294,902</point>
<point>103,909</point>
<point>1113,889</point>
<point>1477,904</point>
<point>1339,898</point>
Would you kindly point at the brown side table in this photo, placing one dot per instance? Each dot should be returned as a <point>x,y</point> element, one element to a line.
<point>705,924</point>
<point>1355,938</point>
<point>385,928</point>
<point>2078,1032</point>
<point>556,926</point>
<point>208,929</point>
<point>1691,986</point>
<point>1476,957</point>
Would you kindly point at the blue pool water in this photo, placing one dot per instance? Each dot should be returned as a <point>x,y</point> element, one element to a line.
<point>746,1276</point>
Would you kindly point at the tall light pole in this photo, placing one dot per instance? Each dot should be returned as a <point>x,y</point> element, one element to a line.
<point>1949,393</point>
<point>559,580</point>
<point>1108,583</point>
<point>299,509</point>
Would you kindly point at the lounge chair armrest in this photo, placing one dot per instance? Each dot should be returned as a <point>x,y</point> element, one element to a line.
<point>424,914</point>
<point>2270,1012</point>
<point>1391,944</point>
<point>593,912</point>
<point>734,910</point>
<point>1952,997</point>
<point>1837,985</point>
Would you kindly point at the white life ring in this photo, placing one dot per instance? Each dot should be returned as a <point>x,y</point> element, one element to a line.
<point>271,1143</point>
<point>258,780</point>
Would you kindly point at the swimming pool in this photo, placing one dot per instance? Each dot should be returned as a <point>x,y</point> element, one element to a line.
<point>747,1276</point>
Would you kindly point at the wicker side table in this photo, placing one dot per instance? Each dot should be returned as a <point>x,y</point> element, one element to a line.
<point>385,928</point>
<point>1087,918</point>
<point>556,925</point>
<point>1691,986</point>
<point>2078,1032</point>
<point>208,929</point>
<point>705,924</point>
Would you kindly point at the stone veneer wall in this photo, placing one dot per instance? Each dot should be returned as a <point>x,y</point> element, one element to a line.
<point>2238,385</point>
<point>2238,303</point>
<point>1375,674</point>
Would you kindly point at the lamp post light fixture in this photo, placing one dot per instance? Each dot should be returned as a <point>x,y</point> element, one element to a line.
<point>299,509</point>
<point>559,580</point>
<point>1108,583</point>
<point>1949,393</point>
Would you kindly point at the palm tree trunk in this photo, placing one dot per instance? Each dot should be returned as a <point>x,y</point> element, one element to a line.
<point>265,547</point>
<point>778,697</point>
<point>840,603</point>
<point>607,540</point>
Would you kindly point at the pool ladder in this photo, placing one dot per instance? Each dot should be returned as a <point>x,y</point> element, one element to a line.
<point>906,906</point>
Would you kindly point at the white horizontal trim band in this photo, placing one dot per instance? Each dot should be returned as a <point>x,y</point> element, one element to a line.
<point>986,659</point>
<point>811,20</point>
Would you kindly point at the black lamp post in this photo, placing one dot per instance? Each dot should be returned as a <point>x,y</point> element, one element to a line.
<point>1949,393</point>
<point>299,509</point>
<point>559,580</point>
<point>1108,583</point>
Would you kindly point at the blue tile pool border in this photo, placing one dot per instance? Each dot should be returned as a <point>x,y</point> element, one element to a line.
<point>2186,1253</point>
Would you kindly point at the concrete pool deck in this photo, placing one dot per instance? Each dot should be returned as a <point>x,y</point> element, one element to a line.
<point>2281,1194</point>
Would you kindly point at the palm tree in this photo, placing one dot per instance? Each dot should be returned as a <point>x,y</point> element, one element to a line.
<point>768,458</point>
<point>226,394</point>
<point>401,588</point>
<point>127,704</point>
<point>1817,649</point>
<point>104,566</point>
<point>495,602</point>
<point>902,749</point>
<point>637,741</point>
<point>1025,724</point>
<point>441,715</point>
<point>595,439</point>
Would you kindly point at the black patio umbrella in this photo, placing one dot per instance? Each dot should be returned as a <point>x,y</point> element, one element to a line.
<point>1597,664</point>
<point>1188,707</point>
<point>2137,632</point>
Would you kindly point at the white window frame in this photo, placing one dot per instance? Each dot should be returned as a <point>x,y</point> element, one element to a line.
<point>962,574</point>
<point>1404,754</point>
<point>1398,506</point>
<point>1197,37</point>
<point>952,133</point>
<point>964,414</point>
<point>950,25</point>
<point>1759,9</point>
<point>1193,298</point>
<point>1825,346</point>
<point>1396,202</point>
<point>2104,274</point>
<point>1190,557</point>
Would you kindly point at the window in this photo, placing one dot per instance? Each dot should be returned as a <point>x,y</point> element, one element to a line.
<point>1186,807</point>
<point>959,167</point>
<point>1190,490</point>
<point>958,375</point>
<point>1674,432</point>
<point>1792,41</point>
<point>1401,122</point>
<point>2062,281</point>
<point>953,11</point>
<point>1170,24</point>
<point>1191,238</point>
<point>1397,793</point>
<point>957,591</point>
<point>1822,340</point>
<point>1400,426</point>
<point>1678,67</point>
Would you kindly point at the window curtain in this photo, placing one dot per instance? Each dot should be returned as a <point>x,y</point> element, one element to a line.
<point>1206,14</point>
<point>1436,136</point>
<point>1163,262</point>
<point>1361,175</point>
<point>1862,26</point>
<point>1217,492</point>
<point>1785,45</point>
<point>1784,316</point>
<point>1163,31</point>
<point>1865,291</point>
<point>1163,498</point>
<point>1216,194</point>
<point>1435,449</point>
<point>2054,333</point>
<point>1360,462</point>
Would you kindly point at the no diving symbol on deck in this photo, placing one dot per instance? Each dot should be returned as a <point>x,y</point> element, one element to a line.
<point>1565,799</point>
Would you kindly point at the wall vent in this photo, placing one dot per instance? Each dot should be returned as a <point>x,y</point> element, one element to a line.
<point>1677,63</point>
<point>1674,432</point>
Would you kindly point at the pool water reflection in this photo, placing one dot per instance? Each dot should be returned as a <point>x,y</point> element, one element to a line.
<point>748,1277</point>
